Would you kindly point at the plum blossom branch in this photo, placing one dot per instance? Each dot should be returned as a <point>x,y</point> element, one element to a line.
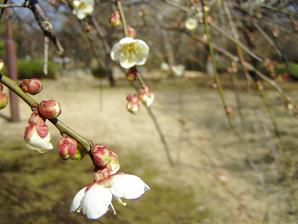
<point>63,128</point>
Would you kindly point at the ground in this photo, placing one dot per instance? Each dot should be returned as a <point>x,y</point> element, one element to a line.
<point>217,177</point>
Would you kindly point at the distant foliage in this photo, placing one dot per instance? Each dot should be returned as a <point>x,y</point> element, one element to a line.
<point>34,69</point>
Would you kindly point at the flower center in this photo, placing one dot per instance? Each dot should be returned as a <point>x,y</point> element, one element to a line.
<point>131,48</point>
<point>82,6</point>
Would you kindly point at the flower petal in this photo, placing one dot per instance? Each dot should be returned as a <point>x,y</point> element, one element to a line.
<point>96,202</point>
<point>36,141</point>
<point>115,52</point>
<point>76,201</point>
<point>127,40</point>
<point>142,52</point>
<point>128,186</point>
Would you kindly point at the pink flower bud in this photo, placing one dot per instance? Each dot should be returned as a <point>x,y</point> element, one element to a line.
<point>131,32</point>
<point>31,86</point>
<point>104,158</point>
<point>133,105</point>
<point>3,100</point>
<point>115,18</point>
<point>229,110</point>
<point>131,75</point>
<point>36,119</point>
<point>67,147</point>
<point>146,96</point>
<point>49,109</point>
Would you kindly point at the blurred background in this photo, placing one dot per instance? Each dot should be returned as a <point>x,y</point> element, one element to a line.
<point>224,75</point>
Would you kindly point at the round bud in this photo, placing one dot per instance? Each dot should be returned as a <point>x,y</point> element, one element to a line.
<point>31,86</point>
<point>99,159</point>
<point>131,32</point>
<point>229,110</point>
<point>115,18</point>
<point>131,75</point>
<point>49,109</point>
<point>3,100</point>
<point>67,147</point>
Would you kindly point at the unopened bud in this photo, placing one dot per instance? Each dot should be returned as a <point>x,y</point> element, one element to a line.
<point>131,32</point>
<point>131,75</point>
<point>49,109</point>
<point>133,104</point>
<point>1,64</point>
<point>67,148</point>
<point>31,86</point>
<point>115,18</point>
<point>36,119</point>
<point>3,100</point>
<point>104,158</point>
<point>146,96</point>
<point>229,110</point>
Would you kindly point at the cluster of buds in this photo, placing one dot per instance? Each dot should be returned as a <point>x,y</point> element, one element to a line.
<point>31,86</point>
<point>68,148</point>
<point>37,135</point>
<point>133,103</point>
<point>49,109</point>
<point>133,99</point>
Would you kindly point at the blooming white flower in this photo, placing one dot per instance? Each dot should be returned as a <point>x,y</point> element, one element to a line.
<point>130,52</point>
<point>178,70</point>
<point>191,23</point>
<point>38,137</point>
<point>95,201</point>
<point>82,8</point>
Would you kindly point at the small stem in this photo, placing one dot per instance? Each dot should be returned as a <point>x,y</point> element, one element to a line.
<point>120,8</point>
<point>63,128</point>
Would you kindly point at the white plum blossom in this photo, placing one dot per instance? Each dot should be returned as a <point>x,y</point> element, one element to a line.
<point>191,23</point>
<point>95,201</point>
<point>130,52</point>
<point>82,8</point>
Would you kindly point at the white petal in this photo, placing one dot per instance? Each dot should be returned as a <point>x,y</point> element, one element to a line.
<point>142,53</point>
<point>127,60</point>
<point>76,3</point>
<point>128,186</point>
<point>96,202</point>
<point>115,52</point>
<point>76,202</point>
<point>127,40</point>
<point>89,9</point>
<point>81,14</point>
<point>37,141</point>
